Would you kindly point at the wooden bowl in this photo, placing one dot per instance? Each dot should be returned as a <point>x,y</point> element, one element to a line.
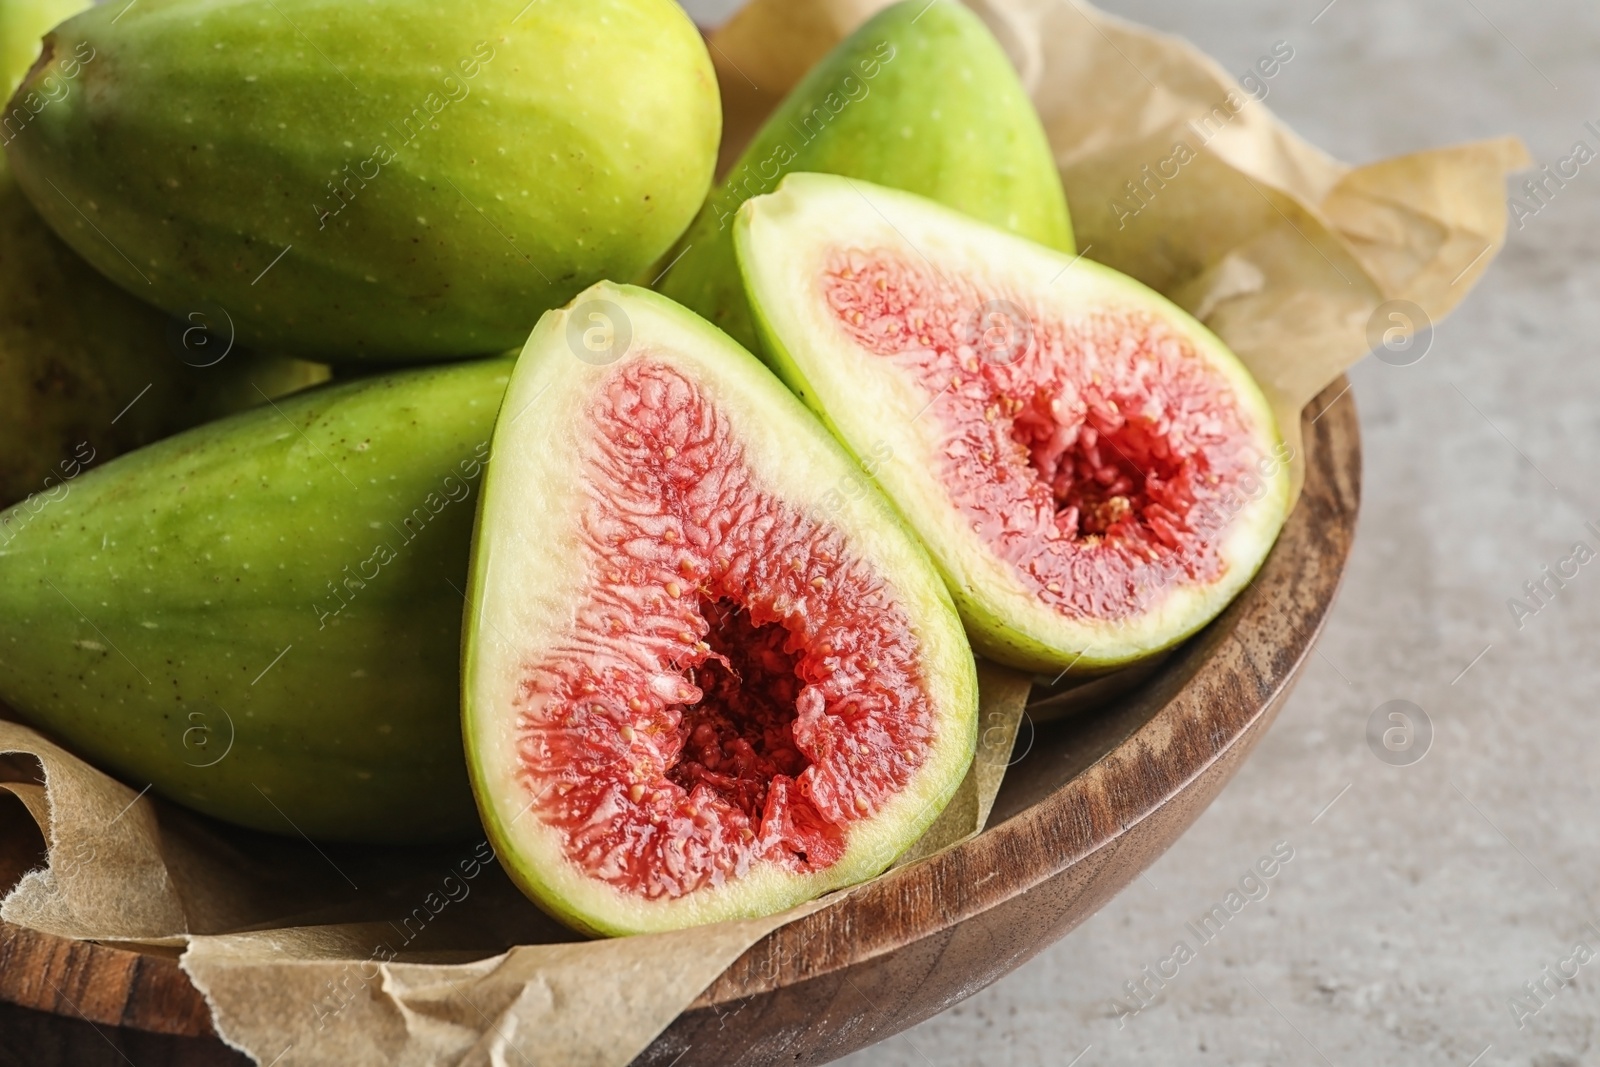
<point>1094,800</point>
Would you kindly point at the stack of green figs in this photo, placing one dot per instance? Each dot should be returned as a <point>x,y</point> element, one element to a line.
<point>265,274</point>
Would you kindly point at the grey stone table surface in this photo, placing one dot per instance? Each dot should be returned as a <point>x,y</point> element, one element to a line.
<point>1420,899</point>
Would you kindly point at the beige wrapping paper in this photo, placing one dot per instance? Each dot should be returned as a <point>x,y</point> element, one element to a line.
<point>349,957</point>
<point>403,957</point>
<point>1284,252</point>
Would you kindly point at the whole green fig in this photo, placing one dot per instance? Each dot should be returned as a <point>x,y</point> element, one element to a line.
<point>86,371</point>
<point>387,180</point>
<point>262,616</point>
<point>920,98</point>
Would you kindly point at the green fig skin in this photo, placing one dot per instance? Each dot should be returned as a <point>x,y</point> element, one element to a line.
<point>920,98</point>
<point>262,616</point>
<point>385,181</point>
<point>88,373</point>
<point>76,351</point>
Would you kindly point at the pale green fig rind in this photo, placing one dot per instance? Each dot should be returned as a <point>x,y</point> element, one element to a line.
<point>216,614</point>
<point>23,24</point>
<point>432,178</point>
<point>513,593</point>
<point>780,237</point>
<point>943,115</point>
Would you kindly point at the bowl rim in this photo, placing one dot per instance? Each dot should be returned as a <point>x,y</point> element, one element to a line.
<point>1089,835</point>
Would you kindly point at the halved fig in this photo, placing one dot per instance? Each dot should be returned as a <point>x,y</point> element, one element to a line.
<point>1093,471</point>
<point>697,685</point>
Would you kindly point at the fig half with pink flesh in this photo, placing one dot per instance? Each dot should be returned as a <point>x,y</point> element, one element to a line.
<point>1093,471</point>
<point>698,683</point>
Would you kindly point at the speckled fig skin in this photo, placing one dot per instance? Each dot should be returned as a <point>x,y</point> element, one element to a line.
<point>381,181</point>
<point>262,616</point>
<point>76,351</point>
<point>920,98</point>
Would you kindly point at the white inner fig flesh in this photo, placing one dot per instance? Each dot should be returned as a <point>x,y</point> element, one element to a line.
<point>1096,474</point>
<point>693,692</point>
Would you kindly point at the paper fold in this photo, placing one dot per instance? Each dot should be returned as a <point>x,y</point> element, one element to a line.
<point>396,957</point>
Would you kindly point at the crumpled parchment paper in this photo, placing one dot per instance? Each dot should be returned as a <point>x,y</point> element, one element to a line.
<point>335,955</point>
<point>1175,173</point>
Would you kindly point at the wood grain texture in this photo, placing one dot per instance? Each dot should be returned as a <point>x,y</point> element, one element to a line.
<point>1092,803</point>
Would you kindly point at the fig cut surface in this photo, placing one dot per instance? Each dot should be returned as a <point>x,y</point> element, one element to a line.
<point>1094,472</point>
<point>696,686</point>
